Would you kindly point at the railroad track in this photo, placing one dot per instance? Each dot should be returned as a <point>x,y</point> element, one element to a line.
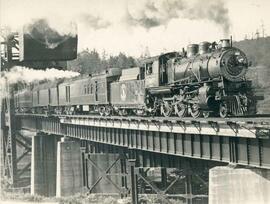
<point>248,119</point>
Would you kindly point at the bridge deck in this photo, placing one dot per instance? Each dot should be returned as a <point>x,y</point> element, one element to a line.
<point>233,127</point>
<point>242,141</point>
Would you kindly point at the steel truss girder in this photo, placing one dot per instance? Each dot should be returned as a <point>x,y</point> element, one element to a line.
<point>9,129</point>
<point>12,160</point>
<point>249,151</point>
<point>232,127</point>
<point>11,139</point>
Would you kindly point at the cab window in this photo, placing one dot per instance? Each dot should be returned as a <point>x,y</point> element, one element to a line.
<point>149,68</point>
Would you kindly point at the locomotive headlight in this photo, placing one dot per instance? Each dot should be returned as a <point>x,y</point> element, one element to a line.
<point>240,59</point>
<point>233,64</point>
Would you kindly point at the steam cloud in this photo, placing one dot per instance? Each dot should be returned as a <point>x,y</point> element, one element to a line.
<point>27,75</point>
<point>97,15</point>
<point>123,25</point>
<point>152,13</point>
<point>95,22</point>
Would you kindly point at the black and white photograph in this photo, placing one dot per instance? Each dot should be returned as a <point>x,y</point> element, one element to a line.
<point>135,101</point>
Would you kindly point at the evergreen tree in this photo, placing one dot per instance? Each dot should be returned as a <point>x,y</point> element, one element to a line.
<point>90,61</point>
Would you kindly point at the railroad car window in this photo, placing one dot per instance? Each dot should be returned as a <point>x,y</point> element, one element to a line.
<point>85,89</point>
<point>67,93</point>
<point>96,91</point>
<point>38,97</point>
<point>88,89</point>
<point>96,82</point>
<point>91,89</point>
<point>50,99</point>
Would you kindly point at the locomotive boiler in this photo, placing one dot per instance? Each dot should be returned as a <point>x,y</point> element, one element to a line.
<point>209,63</point>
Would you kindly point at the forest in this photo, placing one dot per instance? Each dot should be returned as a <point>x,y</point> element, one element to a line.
<point>257,50</point>
<point>89,61</point>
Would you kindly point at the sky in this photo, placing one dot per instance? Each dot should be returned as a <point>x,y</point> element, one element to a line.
<point>130,26</point>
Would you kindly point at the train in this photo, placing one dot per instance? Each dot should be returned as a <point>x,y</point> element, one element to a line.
<point>204,80</point>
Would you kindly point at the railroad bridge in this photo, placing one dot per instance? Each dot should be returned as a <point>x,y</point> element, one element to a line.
<point>66,148</point>
<point>243,141</point>
<point>77,153</point>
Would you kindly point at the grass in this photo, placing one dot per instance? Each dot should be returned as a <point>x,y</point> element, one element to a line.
<point>85,199</point>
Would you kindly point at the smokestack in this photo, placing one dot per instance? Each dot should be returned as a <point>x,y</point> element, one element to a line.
<point>203,47</point>
<point>225,43</point>
<point>192,50</point>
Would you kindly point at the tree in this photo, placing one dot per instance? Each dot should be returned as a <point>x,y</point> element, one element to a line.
<point>90,62</point>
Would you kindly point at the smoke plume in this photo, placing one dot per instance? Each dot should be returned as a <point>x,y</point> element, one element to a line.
<point>41,31</point>
<point>152,13</point>
<point>102,14</point>
<point>27,75</point>
<point>95,22</point>
<point>124,25</point>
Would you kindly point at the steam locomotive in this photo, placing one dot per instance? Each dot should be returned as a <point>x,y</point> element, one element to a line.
<point>207,79</point>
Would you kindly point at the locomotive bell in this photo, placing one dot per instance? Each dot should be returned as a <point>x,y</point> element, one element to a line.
<point>192,50</point>
<point>203,47</point>
<point>225,43</point>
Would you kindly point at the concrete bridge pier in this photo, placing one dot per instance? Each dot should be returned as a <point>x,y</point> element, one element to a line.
<point>69,168</point>
<point>56,168</point>
<point>43,165</point>
<point>239,185</point>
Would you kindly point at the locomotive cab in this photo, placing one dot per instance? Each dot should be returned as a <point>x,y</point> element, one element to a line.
<point>156,70</point>
<point>151,72</point>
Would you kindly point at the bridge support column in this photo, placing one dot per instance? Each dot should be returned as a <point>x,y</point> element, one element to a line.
<point>238,185</point>
<point>163,177</point>
<point>134,189</point>
<point>69,168</point>
<point>43,166</point>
